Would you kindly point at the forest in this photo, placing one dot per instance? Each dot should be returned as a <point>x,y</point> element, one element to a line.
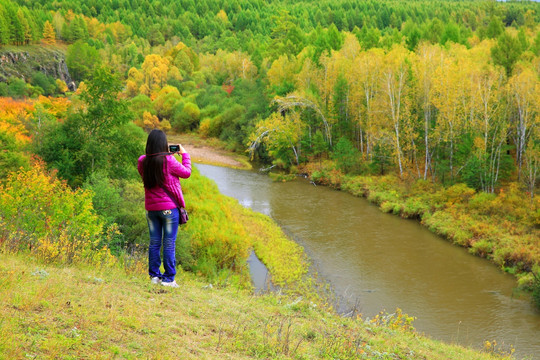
<point>438,94</point>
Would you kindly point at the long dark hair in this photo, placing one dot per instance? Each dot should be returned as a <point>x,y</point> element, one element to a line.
<point>156,149</point>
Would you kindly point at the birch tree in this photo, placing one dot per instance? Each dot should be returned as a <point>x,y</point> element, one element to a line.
<point>366,84</point>
<point>395,87</point>
<point>490,122</point>
<point>523,92</point>
<point>429,59</point>
<point>448,90</point>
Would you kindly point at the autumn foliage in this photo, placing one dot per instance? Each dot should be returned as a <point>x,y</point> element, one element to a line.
<point>41,214</point>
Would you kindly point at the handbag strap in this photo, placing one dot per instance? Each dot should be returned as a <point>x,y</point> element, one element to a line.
<point>173,198</point>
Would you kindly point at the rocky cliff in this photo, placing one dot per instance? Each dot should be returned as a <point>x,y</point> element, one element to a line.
<point>22,62</point>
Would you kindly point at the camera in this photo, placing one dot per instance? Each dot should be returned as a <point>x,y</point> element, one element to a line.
<point>174,148</point>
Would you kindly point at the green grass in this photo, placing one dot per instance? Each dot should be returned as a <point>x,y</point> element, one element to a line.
<point>82,312</point>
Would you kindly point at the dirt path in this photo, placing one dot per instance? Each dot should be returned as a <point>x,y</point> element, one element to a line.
<point>201,153</point>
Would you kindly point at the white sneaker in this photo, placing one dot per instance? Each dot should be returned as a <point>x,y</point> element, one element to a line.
<point>170,284</point>
<point>156,280</point>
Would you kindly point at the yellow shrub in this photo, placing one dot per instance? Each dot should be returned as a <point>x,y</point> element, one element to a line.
<point>42,214</point>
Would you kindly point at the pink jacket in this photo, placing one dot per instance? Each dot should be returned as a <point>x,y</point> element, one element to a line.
<point>156,198</point>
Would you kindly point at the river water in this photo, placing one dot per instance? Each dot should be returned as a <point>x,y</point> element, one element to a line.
<point>382,262</point>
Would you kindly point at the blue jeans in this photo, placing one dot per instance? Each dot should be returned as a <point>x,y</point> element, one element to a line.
<point>163,227</point>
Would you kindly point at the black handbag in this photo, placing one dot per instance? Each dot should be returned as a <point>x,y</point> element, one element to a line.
<point>182,213</point>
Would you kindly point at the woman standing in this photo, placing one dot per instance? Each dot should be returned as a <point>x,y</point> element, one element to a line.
<point>160,172</point>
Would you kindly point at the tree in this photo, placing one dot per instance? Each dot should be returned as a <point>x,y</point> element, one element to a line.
<point>155,69</point>
<point>531,160</point>
<point>49,35</point>
<point>491,126</point>
<point>81,60</point>
<point>98,136</point>
<point>524,89</point>
<point>281,135</point>
<point>395,87</point>
<point>286,37</point>
<point>187,118</point>
<point>5,33</point>
<point>429,58</point>
<point>347,156</point>
<point>506,52</point>
<point>449,88</point>
<point>150,121</point>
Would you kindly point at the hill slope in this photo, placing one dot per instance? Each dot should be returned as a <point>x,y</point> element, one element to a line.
<point>24,61</point>
<point>79,312</point>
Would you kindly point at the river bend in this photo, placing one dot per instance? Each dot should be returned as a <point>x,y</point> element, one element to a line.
<point>381,262</point>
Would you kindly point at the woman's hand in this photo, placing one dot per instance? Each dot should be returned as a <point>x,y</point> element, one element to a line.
<point>182,150</point>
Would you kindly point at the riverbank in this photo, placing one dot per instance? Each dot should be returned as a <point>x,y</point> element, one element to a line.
<point>503,227</point>
<point>81,311</point>
<point>210,151</point>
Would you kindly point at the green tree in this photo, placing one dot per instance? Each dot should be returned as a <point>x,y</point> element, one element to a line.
<point>506,52</point>
<point>347,157</point>
<point>81,60</point>
<point>187,118</point>
<point>17,88</point>
<point>97,137</point>
<point>46,83</point>
<point>5,33</point>
<point>495,28</point>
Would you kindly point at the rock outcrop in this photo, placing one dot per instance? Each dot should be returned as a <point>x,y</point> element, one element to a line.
<point>23,63</point>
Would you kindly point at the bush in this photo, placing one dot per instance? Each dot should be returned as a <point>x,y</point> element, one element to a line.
<point>46,83</point>
<point>202,247</point>
<point>483,203</point>
<point>455,194</point>
<point>118,202</point>
<point>41,214</point>
<point>4,90</point>
<point>17,88</point>
<point>186,118</point>
<point>11,156</point>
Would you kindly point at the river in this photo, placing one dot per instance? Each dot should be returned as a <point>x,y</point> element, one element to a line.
<point>382,262</point>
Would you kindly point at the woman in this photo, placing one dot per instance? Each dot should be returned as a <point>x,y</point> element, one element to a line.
<point>160,170</point>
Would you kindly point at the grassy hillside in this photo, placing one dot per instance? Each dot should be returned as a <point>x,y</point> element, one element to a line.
<point>81,312</point>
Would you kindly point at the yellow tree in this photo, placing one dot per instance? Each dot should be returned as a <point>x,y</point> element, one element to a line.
<point>95,28</point>
<point>134,81</point>
<point>428,59</point>
<point>154,69</point>
<point>523,92</point>
<point>222,16</point>
<point>166,100</point>
<point>280,134</point>
<point>308,74</point>
<point>489,125</point>
<point>61,85</point>
<point>281,71</point>
<point>150,121</point>
<point>396,102</point>
<point>365,85</point>
<point>49,36</point>
<point>448,89</point>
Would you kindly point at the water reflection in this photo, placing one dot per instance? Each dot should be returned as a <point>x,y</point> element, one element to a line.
<point>384,262</point>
